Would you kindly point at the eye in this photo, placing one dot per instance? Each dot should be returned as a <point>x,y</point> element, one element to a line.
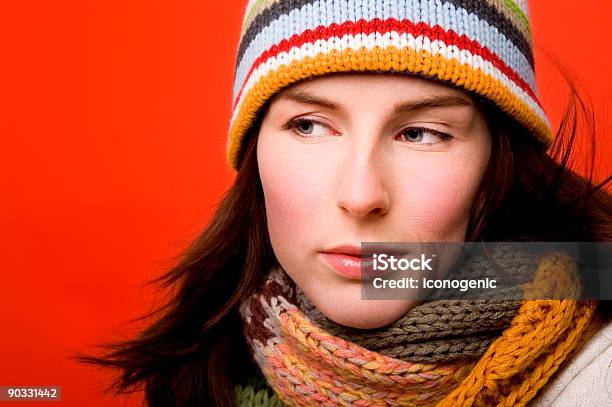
<point>423,135</point>
<point>307,127</point>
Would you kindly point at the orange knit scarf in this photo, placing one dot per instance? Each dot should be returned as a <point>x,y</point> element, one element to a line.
<point>308,366</point>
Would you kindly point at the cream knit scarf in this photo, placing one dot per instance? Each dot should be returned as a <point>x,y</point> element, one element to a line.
<point>442,352</point>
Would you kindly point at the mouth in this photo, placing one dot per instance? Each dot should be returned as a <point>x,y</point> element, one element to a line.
<point>348,265</point>
<point>350,262</point>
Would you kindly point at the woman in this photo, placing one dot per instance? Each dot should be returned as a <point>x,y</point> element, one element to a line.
<point>396,121</point>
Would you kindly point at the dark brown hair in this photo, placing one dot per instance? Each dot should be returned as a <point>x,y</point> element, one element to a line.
<point>193,352</point>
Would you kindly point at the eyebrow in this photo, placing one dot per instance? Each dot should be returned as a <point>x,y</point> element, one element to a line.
<point>303,97</point>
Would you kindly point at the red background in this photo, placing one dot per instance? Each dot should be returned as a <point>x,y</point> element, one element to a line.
<point>113,132</point>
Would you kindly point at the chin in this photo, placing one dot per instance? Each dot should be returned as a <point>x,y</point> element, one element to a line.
<point>365,314</point>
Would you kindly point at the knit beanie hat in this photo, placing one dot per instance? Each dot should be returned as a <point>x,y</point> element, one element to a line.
<point>481,46</point>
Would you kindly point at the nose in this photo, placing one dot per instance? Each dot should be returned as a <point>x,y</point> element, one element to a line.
<point>362,191</point>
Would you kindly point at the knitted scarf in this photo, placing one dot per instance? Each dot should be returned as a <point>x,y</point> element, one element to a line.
<point>442,352</point>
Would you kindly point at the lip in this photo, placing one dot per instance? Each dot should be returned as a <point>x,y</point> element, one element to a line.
<point>346,265</point>
<point>346,260</point>
<point>345,249</point>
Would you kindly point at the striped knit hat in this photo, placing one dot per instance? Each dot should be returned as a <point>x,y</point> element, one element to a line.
<point>482,46</point>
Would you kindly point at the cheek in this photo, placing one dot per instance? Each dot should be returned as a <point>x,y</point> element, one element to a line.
<point>294,197</point>
<point>439,199</point>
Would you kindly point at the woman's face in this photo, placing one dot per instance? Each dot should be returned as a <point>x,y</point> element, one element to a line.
<point>352,158</point>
